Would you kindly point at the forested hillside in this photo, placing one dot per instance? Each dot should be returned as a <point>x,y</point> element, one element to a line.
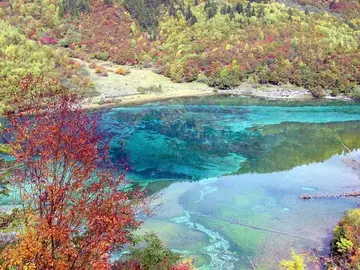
<point>313,44</point>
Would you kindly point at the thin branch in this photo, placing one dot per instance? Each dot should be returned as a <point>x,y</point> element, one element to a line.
<point>252,265</point>
<point>353,158</point>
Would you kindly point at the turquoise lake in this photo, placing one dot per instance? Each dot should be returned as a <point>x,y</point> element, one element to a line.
<point>230,172</point>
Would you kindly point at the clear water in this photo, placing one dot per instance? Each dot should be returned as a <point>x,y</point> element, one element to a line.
<point>231,171</point>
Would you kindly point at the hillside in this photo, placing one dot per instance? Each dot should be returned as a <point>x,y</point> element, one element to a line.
<point>308,43</point>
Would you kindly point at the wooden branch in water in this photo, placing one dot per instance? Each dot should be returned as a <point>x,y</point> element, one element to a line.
<point>252,265</point>
<point>353,158</point>
<point>258,228</point>
<point>330,196</point>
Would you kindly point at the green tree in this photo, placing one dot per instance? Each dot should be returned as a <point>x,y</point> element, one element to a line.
<point>172,11</point>
<point>239,8</point>
<point>154,255</point>
<point>74,7</point>
<point>306,11</point>
<point>296,262</point>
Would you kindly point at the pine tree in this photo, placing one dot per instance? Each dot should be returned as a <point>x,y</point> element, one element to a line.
<point>239,8</point>
<point>290,12</point>
<point>108,2</point>
<point>260,13</point>
<point>248,10</point>
<point>188,14</point>
<point>192,20</point>
<point>223,10</point>
<point>306,11</point>
<point>231,15</point>
<point>211,9</point>
<point>229,9</point>
<point>172,11</point>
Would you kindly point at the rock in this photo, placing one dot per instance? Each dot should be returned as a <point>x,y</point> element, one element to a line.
<point>305,197</point>
<point>7,237</point>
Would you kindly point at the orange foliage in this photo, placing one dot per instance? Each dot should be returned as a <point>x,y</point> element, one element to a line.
<point>122,71</point>
<point>22,254</point>
<point>80,212</point>
<point>101,71</point>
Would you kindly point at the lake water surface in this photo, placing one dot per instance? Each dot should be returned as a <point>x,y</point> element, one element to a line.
<point>231,171</point>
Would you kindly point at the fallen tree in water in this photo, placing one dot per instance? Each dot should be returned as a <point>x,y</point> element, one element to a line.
<point>330,196</point>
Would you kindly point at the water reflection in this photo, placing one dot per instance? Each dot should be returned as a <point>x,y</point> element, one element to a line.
<point>198,141</point>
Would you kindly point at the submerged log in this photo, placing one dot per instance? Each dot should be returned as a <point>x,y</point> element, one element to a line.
<point>305,196</point>
<point>230,221</point>
<point>330,196</point>
<point>251,263</point>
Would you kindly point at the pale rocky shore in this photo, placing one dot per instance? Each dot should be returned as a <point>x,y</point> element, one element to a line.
<point>119,90</point>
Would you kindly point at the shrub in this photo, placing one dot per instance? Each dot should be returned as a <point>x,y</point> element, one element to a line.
<point>101,56</point>
<point>48,41</point>
<point>296,262</point>
<point>345,247</point>
<point>122,71</point>
<point>226,78</point>
<point>318,92</point>
<point>152,255</point>
<point>93,65</point>
<point>146,60</point>
<point>356,92</point>
<point>150,89</point>
<point>101,71</point>
<point>64,42</point>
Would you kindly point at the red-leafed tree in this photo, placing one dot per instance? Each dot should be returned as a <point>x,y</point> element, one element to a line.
<point>78,211</point>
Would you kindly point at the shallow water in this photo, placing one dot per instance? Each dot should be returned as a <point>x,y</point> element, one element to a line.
<point>231,171</point>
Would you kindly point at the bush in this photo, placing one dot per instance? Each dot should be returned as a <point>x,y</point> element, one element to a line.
<point>226,78</point>
<point>318,92</point>
<point>64,43</point>
<point>296,262</point>
<point>150,89</point>
<point>345,247</point>
<point>101,56</point>
<point>356,92</point>
<point>93,65</point>
<point>122,71</point>
<point>152,255</point>
<point>101,71</point>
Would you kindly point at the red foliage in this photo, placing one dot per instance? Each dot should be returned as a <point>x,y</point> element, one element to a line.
<point>48,41</point>
<point>183,266</point>
<point>82,214</point>
<point>107,29</point>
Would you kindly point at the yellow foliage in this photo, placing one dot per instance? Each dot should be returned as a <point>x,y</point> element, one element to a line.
<point>122,71</point>
<point>296,262</point>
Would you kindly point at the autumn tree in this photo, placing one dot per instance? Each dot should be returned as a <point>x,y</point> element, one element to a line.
<point>77,211</point>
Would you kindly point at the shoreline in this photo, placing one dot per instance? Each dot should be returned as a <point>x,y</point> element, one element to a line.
<point>134,100</point>
<point>114,90</point>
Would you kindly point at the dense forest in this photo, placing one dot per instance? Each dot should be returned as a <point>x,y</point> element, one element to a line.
<point>312,44</point>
